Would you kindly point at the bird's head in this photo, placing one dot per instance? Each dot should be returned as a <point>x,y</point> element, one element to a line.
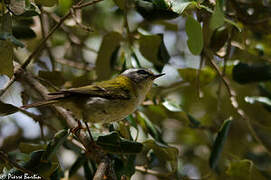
<point>141,75</point>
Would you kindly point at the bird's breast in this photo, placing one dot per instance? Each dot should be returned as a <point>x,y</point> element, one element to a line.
<point>101,110</point>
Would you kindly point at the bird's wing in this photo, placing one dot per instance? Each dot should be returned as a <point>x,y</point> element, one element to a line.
<point>113,89</point>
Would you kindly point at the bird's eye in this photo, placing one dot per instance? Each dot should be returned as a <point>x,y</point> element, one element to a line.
<point>143,72</point>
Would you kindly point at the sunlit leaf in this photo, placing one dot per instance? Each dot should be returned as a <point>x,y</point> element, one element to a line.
<point>206,76</point>
<point>195,36</point>
<point>172,106</point>
<point>219,143</point>
<point>180,5</point>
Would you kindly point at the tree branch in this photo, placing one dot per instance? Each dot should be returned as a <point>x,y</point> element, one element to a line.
<point>43,42</point>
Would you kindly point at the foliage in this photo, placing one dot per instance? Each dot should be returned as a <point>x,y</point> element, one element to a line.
<point>207,118</point>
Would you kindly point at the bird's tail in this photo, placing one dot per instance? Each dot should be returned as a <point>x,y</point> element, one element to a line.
<point>40,103</point>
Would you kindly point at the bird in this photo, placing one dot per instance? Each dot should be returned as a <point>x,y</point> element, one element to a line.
<point>106,101</point>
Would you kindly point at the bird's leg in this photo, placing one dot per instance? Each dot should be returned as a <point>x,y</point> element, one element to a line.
<point>89,133</point>
<point>75,130</point>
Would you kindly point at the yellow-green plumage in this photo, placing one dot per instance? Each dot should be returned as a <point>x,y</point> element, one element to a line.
<point>104,101</point>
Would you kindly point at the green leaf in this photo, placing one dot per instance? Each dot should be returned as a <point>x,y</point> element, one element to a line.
<point>48,3</point>
<point>55,77</point>
<point>77,164</point>
<point>172,106</point>
<point>64,6</point>
<point>217,18</point>
<point>7,109</point>
<point>180,5</point>
<point>247,73</point>
<point>110,43</point>
<point>219,38</point>
<point>6,54</point>
<point>152,47</point>
<point>23,32</point>
<point>241,169</point>
<point>124,166</point>
<point>207,75</point>
<point>219,143</point>
<point>55,143</point>
<point>194,123</point>
<point>148,126</point>
<point>163,152</point>
<point>195,35</point>
<point>114,143</point>
<point>88,172</point>
<point>28,148</point>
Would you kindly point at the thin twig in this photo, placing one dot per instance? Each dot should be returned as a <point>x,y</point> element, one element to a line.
<point>152,172</point>
<point>43,41</point>
<point>38,119</point>
<point>226,57</point>
<point>77,65</point>
<point>234,102</point>
<point>84,27</point>
<point>198,77</point>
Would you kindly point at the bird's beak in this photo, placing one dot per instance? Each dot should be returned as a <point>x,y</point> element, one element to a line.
<point>157,76</point>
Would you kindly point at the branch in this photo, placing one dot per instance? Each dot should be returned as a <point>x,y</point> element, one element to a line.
<point>234,102</point>
<point>92,151</point>
<point>152,172</point>
<point>77,65</point>
<point>102,170</point>
<point>43,42</point>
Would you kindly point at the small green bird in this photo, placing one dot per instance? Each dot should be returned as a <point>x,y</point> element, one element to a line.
<point>105,101</point>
